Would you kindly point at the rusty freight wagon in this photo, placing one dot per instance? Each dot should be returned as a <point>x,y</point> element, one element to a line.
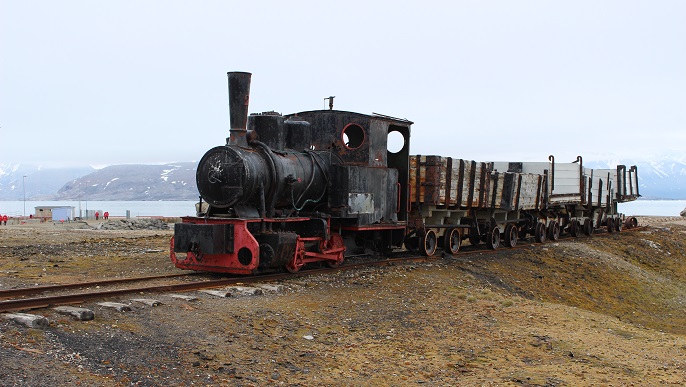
<point>456,199</point>
<point>578,198</point>
<point>489,202</point>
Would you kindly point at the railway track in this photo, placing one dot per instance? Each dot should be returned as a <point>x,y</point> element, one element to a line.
<point>13,300</point>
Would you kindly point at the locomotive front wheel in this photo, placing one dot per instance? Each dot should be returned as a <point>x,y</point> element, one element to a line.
<point>428,242</point>
<point>539,232</point>
<point>452,238</point>
<point>618,225</point>
<point>511,235</point>
<point>493,238</point>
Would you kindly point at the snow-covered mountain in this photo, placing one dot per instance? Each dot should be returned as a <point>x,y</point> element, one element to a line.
<point>117,182</point>
<point>36,181</point>
<point>663,177</point>
<point>134,182</point>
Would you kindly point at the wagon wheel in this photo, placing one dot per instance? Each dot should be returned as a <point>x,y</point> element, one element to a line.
<point>493,238</point>
<point>618,225</point>
<point>631,222</point>
<point>610,224</point>
<point>554,230</point>
<point>574,228</point>
<point>428,243</point>
<point>539,232</point>
<point>511,235</point>
<point>452,238</point>
<point>474,237</point>
<point>588,227</point>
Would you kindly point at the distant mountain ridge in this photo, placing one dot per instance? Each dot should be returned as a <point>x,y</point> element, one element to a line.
<point>661,178</point>
<point>173,181</point>
<point>658,179</point>
<point>40,182</point>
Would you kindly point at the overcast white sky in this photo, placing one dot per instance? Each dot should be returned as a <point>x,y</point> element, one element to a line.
<point>89,82</point>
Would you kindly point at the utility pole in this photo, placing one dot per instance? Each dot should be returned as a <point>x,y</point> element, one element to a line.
<point>24,187</point>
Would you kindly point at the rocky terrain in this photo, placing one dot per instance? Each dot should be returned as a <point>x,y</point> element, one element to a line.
<point>607,310</point>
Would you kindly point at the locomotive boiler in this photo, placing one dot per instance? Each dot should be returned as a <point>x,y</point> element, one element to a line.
<point>286,190</point>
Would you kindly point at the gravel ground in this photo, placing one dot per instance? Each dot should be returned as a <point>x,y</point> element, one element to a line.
<point>606,310</point>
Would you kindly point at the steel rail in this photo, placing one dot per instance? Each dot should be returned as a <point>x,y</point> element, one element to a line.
<point>46,288</point>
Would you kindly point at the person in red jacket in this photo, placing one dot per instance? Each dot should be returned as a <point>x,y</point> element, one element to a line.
<point>106,215</point>
<point>4,219</point>
<point>97,215</point>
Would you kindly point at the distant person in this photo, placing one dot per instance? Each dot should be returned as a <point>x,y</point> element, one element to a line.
<point>106,215</point>
<point>0,219</point>
<point>97,215</point>
<point>4,219</point>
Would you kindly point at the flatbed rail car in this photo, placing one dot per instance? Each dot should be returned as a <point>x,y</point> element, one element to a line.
<point>454,199</point>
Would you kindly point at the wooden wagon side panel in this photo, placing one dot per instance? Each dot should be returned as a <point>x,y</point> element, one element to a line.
<point>530,191</point>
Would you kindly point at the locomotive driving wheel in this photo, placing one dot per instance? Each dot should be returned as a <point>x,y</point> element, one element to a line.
<point>298,257</point>
<point>336,246</point>
<point>428,243</point>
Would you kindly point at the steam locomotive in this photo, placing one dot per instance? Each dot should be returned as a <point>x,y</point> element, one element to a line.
<point>288,190</point>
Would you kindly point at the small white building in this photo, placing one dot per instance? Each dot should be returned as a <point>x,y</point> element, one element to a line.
<point>55,213</point>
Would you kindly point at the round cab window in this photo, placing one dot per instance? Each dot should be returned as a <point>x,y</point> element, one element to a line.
<point>396,141</point>
<point>353,136</point>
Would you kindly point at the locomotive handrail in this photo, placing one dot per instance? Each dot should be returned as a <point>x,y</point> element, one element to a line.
<point>397,208</point>
<point>552,173</point>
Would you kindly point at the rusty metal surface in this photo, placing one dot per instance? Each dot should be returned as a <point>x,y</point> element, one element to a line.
<point>239,96</point>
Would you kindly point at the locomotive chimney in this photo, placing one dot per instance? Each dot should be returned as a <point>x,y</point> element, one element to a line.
<point>239,95</point>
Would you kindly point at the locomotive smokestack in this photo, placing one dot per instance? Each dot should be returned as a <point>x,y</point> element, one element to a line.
<point>239,95</point>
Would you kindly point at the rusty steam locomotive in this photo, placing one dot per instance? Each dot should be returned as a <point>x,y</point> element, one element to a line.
<point>312,186</point>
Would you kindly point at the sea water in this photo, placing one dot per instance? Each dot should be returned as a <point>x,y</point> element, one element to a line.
<point>187,208</point>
